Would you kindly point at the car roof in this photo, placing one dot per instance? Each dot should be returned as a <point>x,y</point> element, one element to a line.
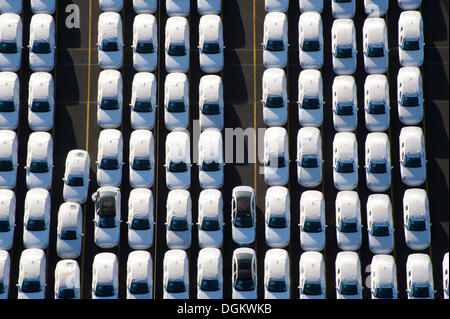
<point>76,159</point>
<point>420,266</point>
<point>348,261</point>
<point>275,137</point>
<point>209,201</point>
<point>210,24</point>
<point>138,262</point>
<point>143,25</point>
<point>104,264</point>
<point>41,24</point>
<point>311,202</point>
<point>139,201</point>
<point>209,258</point>
<point>210,86</point>
<point>276,260</point>
<point>409,77</point>
<point>274,22</point>
<point>376,85</point>
<point>374,28</point>
<point>416,199</point>
<point>342,29</point>
<point>41,82</point>
<point>142,84</point>
<point>385,268</point>
<point>109,81</point>
<point>312,261</point>
<point>9,25</point>
<point>309,139</point>
<point>177,145</point>
<point>30,261</point>
<point>412,137</point>
<point>68,214</point>
<point>175,261</point>
<point>7,138</point>
<point>310,80</point>
<point>310,21</point>
<point>178,201</point>
<point>379,204</point>
<point>410,21</point>
<point>175,27</point>
<point>7,198</point>
<point>109,139</point>
<point>210,144</point>
<point>343,86</point>
<point>276,198</point>
<point>39,143</point>
<point>111,23</point>
<point>348,202</point>
<point>344,143</point>
<point>377,143</point>
<point>35,200</point>
<point>8,81</point>
<point>175,84</point>
<point>273,80</point>
<point>142,141</point>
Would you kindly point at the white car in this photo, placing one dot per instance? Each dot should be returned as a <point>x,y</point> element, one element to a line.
<point>69,230</point>
<point>8,159</point>
<point>348,220</point>
<point>410,38</point>
<point>309,157</point>
<point>345,104</point>
<point>419,277</point>
<point>141,159</point>
<point>32,269</point>
<point>412,156</point>
<point>9,100</point>
<point>111,5</point>
<point>243,274</point>
<point>310,98</point>
<point>416,219</point>
<point>276,156</point>
<point>139,275</point>
<point>380,224</point>
<point>179,219</point>
<point>376,103</point>
<point>311,5</point>
<point>7,218</point>
<point>276,5</point>
<point>177,44</point>
<point>11,30</point>
<point>176,101</point>
<point>348,275</point>
<point>110,158</point>
<point>312,283</point>
<point>209,274</point>
<point>107,200</point>
<point>275,40</point>
<point>143,101</point>
<point>375,46</point>
<point>145,6</point>
<point>345,161</point>
<point>5,265</point>
<point>109,99</point>
<point>210,159</point>
<point>343,46</point>
<point>145,43</point>
<point>105,276</point>
<point>277,282</point>
<point>209,6</point>
<point>140,218</point>
<point>178,160</point>
<point>67,279</point>
<point>42,43</point>
<point>210,218</point>
<point>383,277</point>
<point>36,219</point>
<point>44,6</point>
<point>312,221</point>
<point>274,97</point>
<point>110,40</point>
<point>41,101</point>
<point>39,165</point>
<point>178,8</point>
<point>343,9</point>
<point>410,95</point>
<point>243,215</point>
<point>310,39</point>
<point>409,4</point>
<point>378,162</point>
<point>445,275</point>
<point>76,176</point>
<point>376,8</point>
<point>211,103</point>
<point>210,43</point>
<point>12,6</point>
<point>277,217</point>
<point>176,274</point>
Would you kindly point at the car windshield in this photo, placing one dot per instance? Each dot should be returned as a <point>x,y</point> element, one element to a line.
<point>420,291</point>
<point>276,162</point>
<point>139,288</point>
<point>275,102</point>
<point>243,216</point>
<point>75,181</point>
<point>378,168</point>
<point>109,46</point>
<point>178,224</point>
<point>276,286</point>
<point>410,101</point>
<point>6,166</point>
<point>413,161</point>
<point>40,106</point>
<point>7,106</point>
<point>309,162</point>
<point>31,286</point>
<point>176,286</point>
<point>211,109</point>
<point>312,226</point>
<point>106,222</point>
<point>344,167</point>
<point>243,221</point>
<point>275,45</point>
<point>411,45</point>
<point>4,226</point>
<point>8,47</point>
<point>145,47</point>
<point>211,166</point>
<point>375,52</point>
<point>68,234</point>
<point>310,103</point>
<point>377,108</point>
<point>246,284</point>
<point>385,293</point>
<point>344,53</point>
<point>142,106</point>
<point>141,164</point>
<point>39,167</point>
<point>211,48</point>
<point>66,293</point>
<point>277,222</point>
<point>176,107</point>
<point>345,109</point>
<point>109,164</point>
<point>348,227</point>
<point>104,290</point>
<point>311,45</point>
<point>380,230</point>
<point>41,47</point>
<point>417,225</point>
<point>312,289</point>
<point>177,167</point>
<point>210,224</point>
<point>349,289</point>
<point>36,225</point>
<point>209,285</point>
<point>140,224</point>
<point>177,50</point>
<point>109,104</point>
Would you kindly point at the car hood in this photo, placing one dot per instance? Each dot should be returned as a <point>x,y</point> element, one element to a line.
<point>313,60</point>
<point>140,239</point>
<point>312,241</point>
<point>42,62</point>
<point>28,295</point>
<point>276,295</point>
<point>110,177</point>
<point>140,296</point>
<point>244,294</point>
<point>10,62</point>
<point>277,238</point>
<point>144,121</point>
<point>377,122</point>
<point>344,66</point>
<point>43,180</point>
<point>310,117</point>
<point>276,176</point>
<point>209,294</point>
<point>179,239</point>
<point>6,239</point>
<point>311,5</point>
<point>76,194</point>
<point>43,6</point>
<point>110,118</point>
<point>8,179</point>
<point>275,59</point>
<point>411,58</point>
<point>345,123</point>
<point>375,65</point>
<point>106,237</point>
<point>243,236</point>
<point>173,120</point>
<point>35,239</point>
<point>207,121</point>
<point>178,180</point>
<point>381,245</point>
<point>141,178</point>
<point>110,60</point>
<point>40,121</point>
<point>181,295</point>
<point>210,238</point>
<point>413,176</point>
<point>309,177</point>
<point>211,179</point>
<point>417,240</point>
<point>145,62</point>
<point>9,121</point>
<point>275,116</point>
<point>211,62</point>
<point>348,241</point>
<point>378,182</point>
<point>410,115</point>
<point>68,248</point>
<point>177,63</point>
<point>347,181</point>
<point>302,296</point>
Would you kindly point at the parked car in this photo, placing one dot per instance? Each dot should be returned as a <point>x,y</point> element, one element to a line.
<point>36,219</point>
<point>309,157</point>
<point>311,5</point>
<point>76,176</point>
<point>345,104</point>
<point>277,282</point>
<point>345,161</point>
<point>277,217</point>
<point>67,279</point>
<point>445,281</point>
<point>419,277</point>
<point>210,43</point>
<point>376,103</point>
<point>178,160</point>
<point>41,101</point>
<point>32,274</point>
<point>274,97</point>
<point>348,220</point>
<point>39,164</point>
<point>145,6</point>
<point>140,218</point>
<point>176,274</point>
<point>45,6</point>
<point>177,44</point>
<point>141,159</point>
<point>310,98</point>
<point>209,274</point>
<point>176,101</point>
<point>410,38</point>
<point>343,46</point>
<point>243,274</point>
<point>410,95</point>
<point>105,276</point>
<point>42,43</point>
<point>243,215</point>
<point>416,219</point>
<point>5,265</point>
<point>210,218</point>
<point>110,158</point>
<point>11,30</point>
<point>70,230</point>
<point>13,6</point>
<point>9,100</point>
<point>7,218</point>
<point>312,221</point>
<point>276,156</point>
<point>178,8</point>
<point>383,277</point>
<point>375,46</point>
<point>110,41</point>
<point>139,275</point>
<point>210,159</point>
<point>109,99</point>
<point>413,160</point>
<point>145,43</point>
<point>211,102</point>
<point>348,275</point>
<point>179,219</point>
<point>209,6</point>
<point>312,275</point>
<point>275,40</point>
<point>380,224</point>
<point>143,101</point>
<point>378,162</point>
<point>310,40</point>
<point>111,5</point>
<point>8,159</point>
